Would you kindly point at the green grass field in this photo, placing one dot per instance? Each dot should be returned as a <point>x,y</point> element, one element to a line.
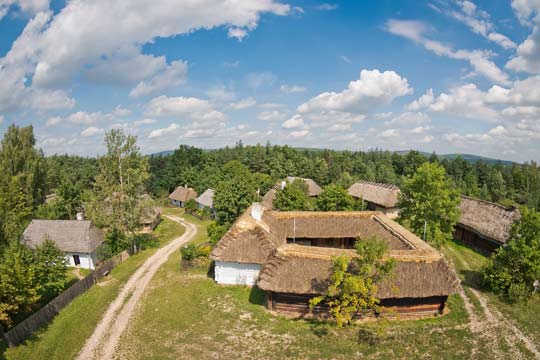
<point>66,334</point>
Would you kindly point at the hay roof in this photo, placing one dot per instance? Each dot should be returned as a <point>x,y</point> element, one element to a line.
<point>68,235</point>
<point>249,240</point>
<point>487,219</point>
<point>313,188</point>
<point>268,199</point>
<point>206,198</point>
<point>385,195</point>
<point>183,194</point>
<point>306,270</point>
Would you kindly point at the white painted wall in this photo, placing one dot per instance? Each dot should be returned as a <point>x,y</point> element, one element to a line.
<point>233,273</point>
<point>88,261</point>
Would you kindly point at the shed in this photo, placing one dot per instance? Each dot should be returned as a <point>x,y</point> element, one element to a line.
<point>484,225</point>
<point>78,239</point>
<point>378,196</point>
<point>206,199</point>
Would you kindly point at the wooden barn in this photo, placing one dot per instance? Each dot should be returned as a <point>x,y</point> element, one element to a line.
<point>377,196</point>
<point>181,195</point>
<point>484,225</point>
<point>289,255</point>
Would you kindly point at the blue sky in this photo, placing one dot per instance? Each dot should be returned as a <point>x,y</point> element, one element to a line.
<point>444,76</point>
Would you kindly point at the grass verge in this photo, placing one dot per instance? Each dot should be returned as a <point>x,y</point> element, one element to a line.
<point>66,334</point>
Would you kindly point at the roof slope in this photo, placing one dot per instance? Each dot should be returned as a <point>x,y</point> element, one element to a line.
<point>183,194</point>
<point>313,188</point>
<point>68,235</point>
<point>206,198</point>
<point>385,195</point>
<point>305,270</point>
<point>487,219</point>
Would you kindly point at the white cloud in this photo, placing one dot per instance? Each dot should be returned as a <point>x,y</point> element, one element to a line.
<point>289,89</point>
<point>390,133</point>
<point>28,7</point>
<point>479,59</point>
<point>422,102</point>
<point>298,134</point>
<point>528,54</point>
<point>525,9</point>
<point>237,33</point>
<point>335,117</point>
<point>326,7</point>
<point>221,93</point>
<point>294,122</point>
<point>499,130</point>
<point>173,75</point>
<point>199,111</point>
<point>372,89</point>
<point>92,131</point>
<point>273,115</point>
<point>420,129</point>
<point>243,104</point>
<point>408,119</point>
<point>427,138</point>
<point>466,100</point>
<point>97,36</point>
<point>256,80</point>
<point>160,132</point>
<point>146,121</point>
<point>53,121</point>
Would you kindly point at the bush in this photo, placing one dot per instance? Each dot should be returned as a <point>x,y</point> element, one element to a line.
<point>519,293</point>
<point>216,231</point>
<point>191,206</point>
<point>190,252</point>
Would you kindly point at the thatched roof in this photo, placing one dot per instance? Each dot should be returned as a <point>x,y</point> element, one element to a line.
<point>268,199</point>
<point>339,224</point>
<point>206,198</point>
<point>487,219</point>
<point>313,188</point>
<point>305,270</point>
<point>183,194</point>
<point>385,195</point>
<point>150,215</point>
<point>68,235</point>
<point>249,240</point>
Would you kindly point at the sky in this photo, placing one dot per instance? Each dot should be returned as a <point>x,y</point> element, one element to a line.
<point>448,76</point>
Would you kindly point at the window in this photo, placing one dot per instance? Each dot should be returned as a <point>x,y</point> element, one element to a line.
<point>76,260</point>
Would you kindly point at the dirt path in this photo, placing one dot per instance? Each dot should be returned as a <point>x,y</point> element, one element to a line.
<point>493,326</point>
<point>102,343</point>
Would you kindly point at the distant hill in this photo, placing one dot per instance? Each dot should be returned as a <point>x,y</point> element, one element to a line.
<point>467,157</point>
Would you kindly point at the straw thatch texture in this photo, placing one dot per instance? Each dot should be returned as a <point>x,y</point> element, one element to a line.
<point>250,241</point>
<point>487,219</point>
<point>305,224</point>
<point>305,270</point>
<point>206,199</point>
<point>183,194</point>
<point>385,195</point>
<point>268,199</point>
<point>313,188</point>
<point>68,235</point>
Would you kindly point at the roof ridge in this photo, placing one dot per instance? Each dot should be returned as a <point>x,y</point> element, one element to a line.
<point>507,208</point>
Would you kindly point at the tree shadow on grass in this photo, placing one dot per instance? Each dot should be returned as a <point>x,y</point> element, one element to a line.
<point>257,296</point>
<point>472,278</point>
<point>3,348</point>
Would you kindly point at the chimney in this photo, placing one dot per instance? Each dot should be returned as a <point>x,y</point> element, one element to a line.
<point>256,211</point>
<point>80,216</point>
<point>283,183</point>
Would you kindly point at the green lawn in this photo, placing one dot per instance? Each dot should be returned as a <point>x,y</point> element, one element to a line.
<point>184,314</point>
<point>66,334</point>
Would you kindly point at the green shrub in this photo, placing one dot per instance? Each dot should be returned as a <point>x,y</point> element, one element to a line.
<point>216,231</point>
<point>519,293</point>
<point>191,206</point>
<point>190,252</point>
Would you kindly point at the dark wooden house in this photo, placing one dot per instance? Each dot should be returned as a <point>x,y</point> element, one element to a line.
<point>484,225</point>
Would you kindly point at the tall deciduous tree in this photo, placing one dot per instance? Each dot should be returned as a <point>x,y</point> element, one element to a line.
<point>120,184</point>
<point>334,198</point>
<point>294,196</point>
<point>429,204</point>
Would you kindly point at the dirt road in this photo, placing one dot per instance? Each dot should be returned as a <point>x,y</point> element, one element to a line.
<point>102,343</point>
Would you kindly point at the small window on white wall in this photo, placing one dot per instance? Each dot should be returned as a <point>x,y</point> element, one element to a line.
<point>76,260</point>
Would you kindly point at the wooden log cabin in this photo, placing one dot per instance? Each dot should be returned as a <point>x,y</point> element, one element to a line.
<point>484,225</point>
<point>289,255</point>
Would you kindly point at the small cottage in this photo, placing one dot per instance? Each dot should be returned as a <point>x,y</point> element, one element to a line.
<point>313,188</point>
<point>78,239</point>
<point>484,225</point>
<point>377,196</point>
<point>289,255</point>
<point>206,200</point>
<point>181,195</point>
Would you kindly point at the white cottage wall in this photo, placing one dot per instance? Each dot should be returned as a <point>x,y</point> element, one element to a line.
<point>233,273</point>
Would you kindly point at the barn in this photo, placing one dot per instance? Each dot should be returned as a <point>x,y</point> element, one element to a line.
<point>181,195</point>
<point>289,256</point>
<point>78,239</point>
<point>484,225</point>
<point>377,196</point>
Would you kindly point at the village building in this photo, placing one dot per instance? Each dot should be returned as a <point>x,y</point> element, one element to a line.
<point>484,225</point>
<point>181,195</point>
<point>377,196</point>
<point>206,200</point>
<point>312,187</point>
<point>289,255</point>
<point>150,219</point>
<point>77,239</point>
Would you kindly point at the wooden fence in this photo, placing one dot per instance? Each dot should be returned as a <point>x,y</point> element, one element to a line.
<point>25,329</point>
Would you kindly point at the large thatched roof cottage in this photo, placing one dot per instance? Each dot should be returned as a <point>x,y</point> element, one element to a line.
<point>78,239</point>
<point>484,225</point>
<point>181,195</point>
<point>377,196</point>
<point>289,255</point>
